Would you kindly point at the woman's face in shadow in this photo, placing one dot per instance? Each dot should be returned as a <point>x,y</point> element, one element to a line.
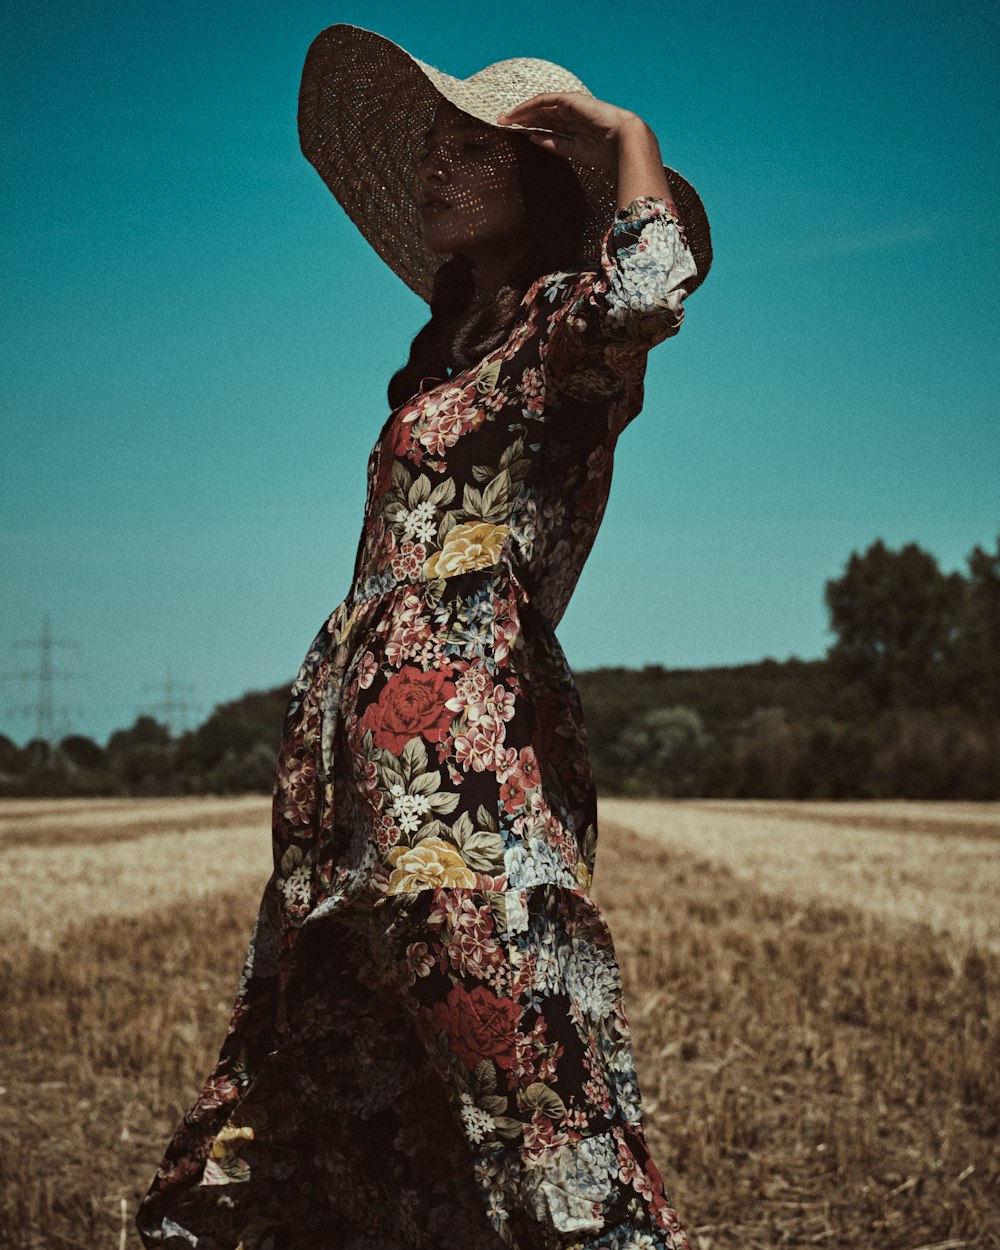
<point>469,189</point>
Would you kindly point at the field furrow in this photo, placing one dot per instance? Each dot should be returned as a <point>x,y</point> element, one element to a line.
<point>918,865</point>
<point>818,1054</point>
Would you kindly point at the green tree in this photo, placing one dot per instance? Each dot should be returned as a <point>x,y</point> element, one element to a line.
<point>143,758</point>
<point>81,753</point>
<point>666,751</point>
<point>977,667</point>
<point>146,731</point>
<point>10,755</point>
<point>896,617</point>
<point>235,728</point>
<point>766,754</point>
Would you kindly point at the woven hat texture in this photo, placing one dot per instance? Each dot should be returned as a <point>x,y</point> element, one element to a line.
<point>364,107</point>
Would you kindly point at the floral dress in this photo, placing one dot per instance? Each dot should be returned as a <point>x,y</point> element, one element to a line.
<point>428,1047</point>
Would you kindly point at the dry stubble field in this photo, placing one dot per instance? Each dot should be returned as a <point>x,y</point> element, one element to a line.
<point>814,991</point>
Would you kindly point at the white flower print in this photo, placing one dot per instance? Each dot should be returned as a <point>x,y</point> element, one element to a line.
<point>593,979</point>
<point>478,1123</point>
<point>296,887</point>
<point>536,863</point>
<point>420,523</point>
<point>409,810</point>
<point>646,282</point>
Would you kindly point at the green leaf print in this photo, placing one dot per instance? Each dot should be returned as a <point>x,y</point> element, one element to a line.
<point>443,802</point>
<point>419,491</point>
<point>507,1128</point>
<point>401,478</point>
<point>432,829</point>
<point>482,849</point>
<point>472,502</point>
<point>443,493</point>
<point>487,819</point>
<point>539,1097</point>
<point>425,783</point>
<point>413,761</point>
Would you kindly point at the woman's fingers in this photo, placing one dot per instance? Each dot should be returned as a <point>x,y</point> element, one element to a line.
<point>559,144</point>
<point>547,108</point>
<point>584,128</point>
<point>546,99</point>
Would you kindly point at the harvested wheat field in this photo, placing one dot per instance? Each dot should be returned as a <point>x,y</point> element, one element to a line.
<point>814,991</point>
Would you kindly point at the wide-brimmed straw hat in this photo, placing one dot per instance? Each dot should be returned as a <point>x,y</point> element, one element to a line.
<point>365,105</point>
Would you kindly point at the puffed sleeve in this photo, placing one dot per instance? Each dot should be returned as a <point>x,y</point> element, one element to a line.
<point>603,322</point>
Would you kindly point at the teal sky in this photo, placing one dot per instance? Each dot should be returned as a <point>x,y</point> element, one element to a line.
<point>197,341</point>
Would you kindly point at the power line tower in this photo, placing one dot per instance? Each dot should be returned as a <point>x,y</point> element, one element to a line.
<point>46,675</point>
<point>171,704</point>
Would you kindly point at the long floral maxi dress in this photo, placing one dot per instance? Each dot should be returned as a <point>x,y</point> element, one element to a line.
<point>428,1047</point>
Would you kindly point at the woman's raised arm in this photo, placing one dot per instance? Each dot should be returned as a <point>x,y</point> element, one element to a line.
<point>596,133</point>
<point>603,321</point>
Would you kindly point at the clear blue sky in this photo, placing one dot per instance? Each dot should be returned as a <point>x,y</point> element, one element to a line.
<point>197,340</point>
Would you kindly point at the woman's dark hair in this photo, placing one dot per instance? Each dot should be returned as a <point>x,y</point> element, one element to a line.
<point>460,332</point>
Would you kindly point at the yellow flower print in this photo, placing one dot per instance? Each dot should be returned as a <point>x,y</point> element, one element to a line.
<point>222,1145</point>
<point>223,1165</point>
<point>431,864</point>
<point>474,545</point>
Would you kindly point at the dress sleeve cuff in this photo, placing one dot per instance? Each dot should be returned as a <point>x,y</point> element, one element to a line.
<point>645,262</point>
<point>646,208</point>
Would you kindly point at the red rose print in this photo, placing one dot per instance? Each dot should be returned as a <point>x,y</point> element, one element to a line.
<point>479,1025</point>
<point>412,705</point>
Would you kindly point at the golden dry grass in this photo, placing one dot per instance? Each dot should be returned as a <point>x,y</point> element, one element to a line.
<point>83,822</point>
<point>815,1074</point>
<point>62,869</point>
<point>926,863</point>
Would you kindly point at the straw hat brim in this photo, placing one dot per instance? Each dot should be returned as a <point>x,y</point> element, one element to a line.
<point>365,105</point>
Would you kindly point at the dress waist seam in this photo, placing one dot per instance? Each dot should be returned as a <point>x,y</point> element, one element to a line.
<point>379,586</point>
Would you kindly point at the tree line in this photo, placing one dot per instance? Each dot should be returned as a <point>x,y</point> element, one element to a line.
<point>906,704</point>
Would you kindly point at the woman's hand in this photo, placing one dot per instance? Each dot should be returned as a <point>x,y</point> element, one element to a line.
<point>596,133</point>
<point>586,129</point>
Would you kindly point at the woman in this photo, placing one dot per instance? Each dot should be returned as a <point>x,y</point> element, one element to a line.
<point>428,1046</point>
